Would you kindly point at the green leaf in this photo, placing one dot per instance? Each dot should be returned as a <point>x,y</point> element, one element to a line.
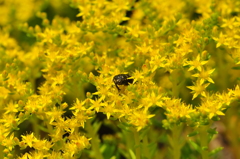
<point>205,148</point>
<point>193,133</point>
<point>195,146</point>
<point>96,126</point>
<point>215,151</point>
<point>170,140</point>
<point>124,126</point>
<point>153,148</point>
<point>108,150</point>
<point>144,132</point>
<point>236,68</point>
<point>133,156</point>
<point>212,131</point>
<point>216,118</point>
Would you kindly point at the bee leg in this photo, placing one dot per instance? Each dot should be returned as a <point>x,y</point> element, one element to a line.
<point>117,87</point>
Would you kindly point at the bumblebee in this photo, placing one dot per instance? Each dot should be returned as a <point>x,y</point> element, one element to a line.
<point>122,79</point>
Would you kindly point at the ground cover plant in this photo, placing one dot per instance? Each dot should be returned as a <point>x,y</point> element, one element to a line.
<point>115,79</point>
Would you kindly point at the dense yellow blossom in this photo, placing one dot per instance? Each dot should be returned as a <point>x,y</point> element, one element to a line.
<point>199,88</point>
<point>59,59</point>
<point>175,109</point>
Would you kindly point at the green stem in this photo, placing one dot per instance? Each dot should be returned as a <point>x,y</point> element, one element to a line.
<point>128,135</point>
<point>203,134</point>
<point>1,150</point>
<point>176,142</point>
<point>49,127</point>
<point>34,121</point>
<point>223,69</point>
<point>33,83</point>
<point>230,117</point>
<point>145,147</point>
<point>174,79</point>
<point>129,142</point>
<point>94,141</point>
<point>137,143</point>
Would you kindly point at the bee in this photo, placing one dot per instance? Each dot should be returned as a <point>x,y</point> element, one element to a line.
<point>122,79</point>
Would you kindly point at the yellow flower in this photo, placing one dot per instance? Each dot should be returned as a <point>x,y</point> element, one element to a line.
<point>139,119</point>
<point>195,64</point>
<point>144,49</point>
<point>82,117</point>
<point>179,41</point>
<point>69,149</point>
<point>59,79</point>
<point>135,31</point>
<point>228,23</point>
<point>42,145</point>
<point>152,99</point>
<point>78,106</point>
<point>184,49</point>
<point>48,35</point>
<point>103,87</point>
<point>80,141</point>
<point>85,11</point>
<point>235,93</point>
<point>4,92</point>
<point>61,126</point>
<point>137,76</point>
<point>34,155</point>
<point>204,75</point>
<point>29,139</point>
<point>96,104</point>
<point>21,87</point>
<point>221,40</point>
<point>225,98</point>
<point>11,107</point>
<point>54,114</point>
<point>9,142</point>
<point>210,107</point>
<point>56,134</point>
<point>156,62</point>
<point>54,155</point>
<point>9,120</point>
<point>109,109</point>
<point>125,111</point>
<point>81,113</point>
<point>198,88</point>
<point>120,5</point>
<point>4,132</point>
<point>176,109</point>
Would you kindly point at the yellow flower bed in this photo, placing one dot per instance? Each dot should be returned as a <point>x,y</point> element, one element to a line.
<point>180,60</point>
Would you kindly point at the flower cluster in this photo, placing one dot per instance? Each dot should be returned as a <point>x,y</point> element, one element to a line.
<point>59,59</point>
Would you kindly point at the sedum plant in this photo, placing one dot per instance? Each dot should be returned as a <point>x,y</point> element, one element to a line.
<point>58,59</point>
